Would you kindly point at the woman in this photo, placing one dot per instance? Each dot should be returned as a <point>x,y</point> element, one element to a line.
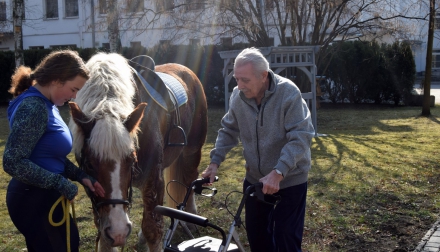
<point>37,148</point>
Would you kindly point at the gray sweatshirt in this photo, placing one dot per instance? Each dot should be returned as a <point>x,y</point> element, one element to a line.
<point>275,136</point>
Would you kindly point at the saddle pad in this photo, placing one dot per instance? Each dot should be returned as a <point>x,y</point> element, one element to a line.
<point>175,87</point>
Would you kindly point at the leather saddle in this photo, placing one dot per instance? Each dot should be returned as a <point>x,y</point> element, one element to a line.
<point>163,89</point>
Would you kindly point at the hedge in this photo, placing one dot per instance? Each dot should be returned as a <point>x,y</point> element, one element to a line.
<point>358,71</point>
<point>366,72</point>
<point>203,60</point>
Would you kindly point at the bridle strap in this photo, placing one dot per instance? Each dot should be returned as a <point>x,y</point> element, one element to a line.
<point>112,202</point>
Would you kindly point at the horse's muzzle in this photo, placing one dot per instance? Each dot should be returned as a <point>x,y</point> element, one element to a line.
<point>117,239</point>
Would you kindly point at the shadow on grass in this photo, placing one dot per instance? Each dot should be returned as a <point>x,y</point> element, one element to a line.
<point>372,193</point>
<point>374,179</point>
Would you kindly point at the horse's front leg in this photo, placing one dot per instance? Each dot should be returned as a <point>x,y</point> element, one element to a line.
<point>151,233</point>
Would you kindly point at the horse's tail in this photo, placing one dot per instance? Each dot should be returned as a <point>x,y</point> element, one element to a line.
<point>183,171</point>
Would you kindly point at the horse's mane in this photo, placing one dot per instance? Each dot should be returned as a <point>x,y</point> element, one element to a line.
<point>107,98</point>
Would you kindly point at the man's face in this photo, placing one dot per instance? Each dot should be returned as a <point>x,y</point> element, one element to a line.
<point>249,82</point>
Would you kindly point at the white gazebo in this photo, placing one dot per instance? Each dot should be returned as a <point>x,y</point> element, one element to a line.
<point>281,58</point>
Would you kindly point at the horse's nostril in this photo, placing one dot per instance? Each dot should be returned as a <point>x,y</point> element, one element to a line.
<point>106,230</point>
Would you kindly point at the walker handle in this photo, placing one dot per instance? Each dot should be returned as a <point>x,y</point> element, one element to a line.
<point>260,195</point>
<point>198,186</point>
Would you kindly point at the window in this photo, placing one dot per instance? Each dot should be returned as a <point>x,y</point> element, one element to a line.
<point>226,41</point>
<point>36,47</point>
<point>3,16</point>
<point>71,7</point>
<point>51,8</point>
<point>102,7</point>
<point>135,44</point>
<point>164,5</point>
<point>194,42</point>
<point>437,21</point>
<point>135,6</point>
<point>106,46</point>
<point>272,41</point>
<point>195,5</point>
<point>2,11</point>
<point>62,47</point>
<point>435,59</point>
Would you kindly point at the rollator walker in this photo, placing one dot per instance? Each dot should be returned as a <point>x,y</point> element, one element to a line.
<point>229,242</point>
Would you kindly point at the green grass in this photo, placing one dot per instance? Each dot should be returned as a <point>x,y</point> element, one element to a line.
<point>373,184</point>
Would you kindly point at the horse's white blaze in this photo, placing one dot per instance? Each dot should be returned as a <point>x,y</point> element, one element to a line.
<point>117,216</point>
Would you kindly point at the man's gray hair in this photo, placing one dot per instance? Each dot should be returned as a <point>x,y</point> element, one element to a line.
<point>253,56</point>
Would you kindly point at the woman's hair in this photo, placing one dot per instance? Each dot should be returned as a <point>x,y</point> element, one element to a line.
<point>59,66</point>
<point>253,56</point>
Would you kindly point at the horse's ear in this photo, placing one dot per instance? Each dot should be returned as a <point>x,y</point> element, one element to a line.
<point>134,119</point>
<point>81,119</point>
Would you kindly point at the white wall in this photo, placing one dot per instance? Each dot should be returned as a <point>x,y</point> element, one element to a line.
<point>77,30</point>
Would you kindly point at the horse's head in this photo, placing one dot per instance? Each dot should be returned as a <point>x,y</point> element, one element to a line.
<point>108,153</point>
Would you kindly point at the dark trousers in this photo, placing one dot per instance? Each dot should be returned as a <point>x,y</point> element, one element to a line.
<point>29,208</point>
<point>276,228</point>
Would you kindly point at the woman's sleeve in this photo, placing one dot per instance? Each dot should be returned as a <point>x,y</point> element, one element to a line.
<point>76,174</point>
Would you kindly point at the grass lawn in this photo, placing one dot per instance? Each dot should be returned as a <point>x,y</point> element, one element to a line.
<point>374,183</point>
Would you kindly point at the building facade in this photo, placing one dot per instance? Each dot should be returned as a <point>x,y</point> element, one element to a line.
<point>83,24</point>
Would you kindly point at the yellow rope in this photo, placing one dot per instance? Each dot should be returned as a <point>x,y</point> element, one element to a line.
<point>65,203</point>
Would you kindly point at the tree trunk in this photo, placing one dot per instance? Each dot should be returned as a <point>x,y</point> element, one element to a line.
<point>113,26</point>
<point>427,85</point>
<point>18,11</point>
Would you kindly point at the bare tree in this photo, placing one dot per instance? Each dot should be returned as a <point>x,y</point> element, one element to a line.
<point>301,22</point>
<point>113,26</point>
<point>320,22</point>
<point>17,14</point>
<point>427,80</point>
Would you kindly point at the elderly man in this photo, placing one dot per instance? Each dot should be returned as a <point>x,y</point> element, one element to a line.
<point>267,113</point>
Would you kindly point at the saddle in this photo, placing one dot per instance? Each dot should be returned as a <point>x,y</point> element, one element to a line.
<point>163,89</point>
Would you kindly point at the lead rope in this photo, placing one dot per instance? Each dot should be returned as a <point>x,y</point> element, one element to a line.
<point>65,203</point>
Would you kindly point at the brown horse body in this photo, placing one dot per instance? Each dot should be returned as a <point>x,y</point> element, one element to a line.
<point>124,147</point>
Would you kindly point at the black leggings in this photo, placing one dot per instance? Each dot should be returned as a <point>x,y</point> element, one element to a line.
<point>29,208</point>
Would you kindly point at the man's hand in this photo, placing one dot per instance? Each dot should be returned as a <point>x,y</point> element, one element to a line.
<point>95,188</point>
<point>211,172</point>
<point>271,182</point>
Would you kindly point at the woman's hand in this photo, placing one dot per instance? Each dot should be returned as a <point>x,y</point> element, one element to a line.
<point>96,188</point>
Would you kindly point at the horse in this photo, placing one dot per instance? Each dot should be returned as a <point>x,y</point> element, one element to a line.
<point>125,139</point>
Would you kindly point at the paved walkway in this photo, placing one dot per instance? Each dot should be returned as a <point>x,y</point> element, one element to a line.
<point>431,241</point>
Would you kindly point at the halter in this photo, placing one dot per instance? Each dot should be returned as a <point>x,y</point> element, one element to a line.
<point>97,203</point>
